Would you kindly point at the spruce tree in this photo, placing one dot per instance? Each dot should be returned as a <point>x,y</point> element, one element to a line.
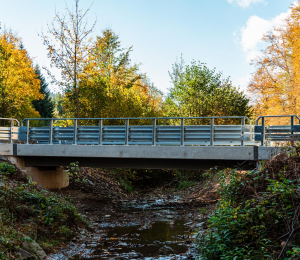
<point>44,106</point>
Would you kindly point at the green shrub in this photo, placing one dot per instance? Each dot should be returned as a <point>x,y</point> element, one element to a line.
<point>185,184</point>
<point>256,211</point>
<point>7,168</point>
<point>44,216</point>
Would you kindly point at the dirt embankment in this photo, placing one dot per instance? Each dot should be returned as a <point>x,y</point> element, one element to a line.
<point>157,222</point>
<point>100,197</point>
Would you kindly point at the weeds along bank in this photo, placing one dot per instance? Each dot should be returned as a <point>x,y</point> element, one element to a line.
<point>32,219</point>
<point>258,214</point>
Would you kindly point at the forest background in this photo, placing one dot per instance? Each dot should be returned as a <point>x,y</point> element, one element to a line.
<point>98,78</point>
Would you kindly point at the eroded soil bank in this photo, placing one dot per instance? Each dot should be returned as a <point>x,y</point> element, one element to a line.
<point>157,224</point>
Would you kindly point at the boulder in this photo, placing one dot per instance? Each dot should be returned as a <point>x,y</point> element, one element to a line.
<point>33,247</point>
<point>24,254</point>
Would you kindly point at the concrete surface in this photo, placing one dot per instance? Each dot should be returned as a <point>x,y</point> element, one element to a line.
<point>49,178</point>
<point>252,153</point>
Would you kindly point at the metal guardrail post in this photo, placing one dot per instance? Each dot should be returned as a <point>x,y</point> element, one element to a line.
<point>292,130</point>
<point>211,132</point>
<point>100,132</point>
<point>11,131</point>
<point>75,132</point>
<point>27,132</point>
<point>263,131</point>
<point>182,132</point>
<point>154,132</point>
<point>51,132</point>
<point>242,132</point>
<point>126,131</point>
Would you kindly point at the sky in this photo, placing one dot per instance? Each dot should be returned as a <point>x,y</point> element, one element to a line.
<point>224,34</point>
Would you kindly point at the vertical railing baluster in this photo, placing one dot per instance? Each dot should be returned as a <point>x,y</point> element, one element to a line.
<point>100,132</point>
<point>75,132</point>
<point>292,130</point>
<point>154,132</point>
<point>263,131</point>
<point>11,131</point>
<point>126,131</point>
<point>182,132</point>
<point>51,131</point>
<point>211,132</point>
<point>27,132</point>
<point>242,132</point>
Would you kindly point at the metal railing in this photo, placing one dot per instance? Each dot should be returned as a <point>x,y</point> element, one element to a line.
<point>138,134</point>
<point>179,131</point>
<point>277,132</point>
<point>12,120</point>
<point>9,133</point>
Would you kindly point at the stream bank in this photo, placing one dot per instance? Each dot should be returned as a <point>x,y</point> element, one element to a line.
<point>157,224</point>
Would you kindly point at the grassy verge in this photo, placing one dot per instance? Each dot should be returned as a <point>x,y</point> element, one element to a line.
<point>258,216</point>
<point>29,212</point>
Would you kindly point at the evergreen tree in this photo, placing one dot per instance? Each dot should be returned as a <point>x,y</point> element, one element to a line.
<point>44,106</point>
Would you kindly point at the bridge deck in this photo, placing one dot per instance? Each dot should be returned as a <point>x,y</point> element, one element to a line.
<point>185,157</point>
<point>145,144</point>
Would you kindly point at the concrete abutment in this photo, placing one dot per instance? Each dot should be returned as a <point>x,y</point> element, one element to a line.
<point>47,177</point>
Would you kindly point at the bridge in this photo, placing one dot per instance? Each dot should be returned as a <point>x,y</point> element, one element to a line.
<point>41,145</point>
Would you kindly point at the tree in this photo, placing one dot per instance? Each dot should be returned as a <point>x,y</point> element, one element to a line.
<point>69,55</point>
<point>201,92</point>
<point>44,106</point>
<point>113,86</point>
<point>275,85</point>
<point>19,85</point>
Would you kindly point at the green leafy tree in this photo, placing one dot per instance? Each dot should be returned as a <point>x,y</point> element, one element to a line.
<point>198,91</point>
<point>44,106</point>
<point>114,87</point>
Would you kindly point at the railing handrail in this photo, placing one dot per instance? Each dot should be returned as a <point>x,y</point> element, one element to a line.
<point>140,118</point>
<point>257,120</point>
<point>10,119</point>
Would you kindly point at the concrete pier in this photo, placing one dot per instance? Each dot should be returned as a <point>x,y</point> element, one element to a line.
<point>47,177</point>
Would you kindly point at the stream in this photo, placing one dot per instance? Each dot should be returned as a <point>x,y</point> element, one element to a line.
<point>148,228</point>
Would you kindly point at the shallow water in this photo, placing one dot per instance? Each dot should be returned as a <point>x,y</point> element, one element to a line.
<point>159,239</point>
<point>137,231</point>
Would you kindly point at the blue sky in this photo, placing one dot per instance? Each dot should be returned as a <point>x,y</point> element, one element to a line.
<point>224,34</point>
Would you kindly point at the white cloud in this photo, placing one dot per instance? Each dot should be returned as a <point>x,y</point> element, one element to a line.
<point>243,82</point>
<point>251,35</point>
<point>253,32</point>
<point>245,3</point>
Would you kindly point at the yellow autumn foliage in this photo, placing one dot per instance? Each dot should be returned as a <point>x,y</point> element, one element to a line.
<point>19,85</point>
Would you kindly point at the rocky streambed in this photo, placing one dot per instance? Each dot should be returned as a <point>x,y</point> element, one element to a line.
<point>148,227</point>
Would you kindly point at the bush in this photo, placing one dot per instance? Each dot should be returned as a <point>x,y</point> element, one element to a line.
<point>258,214</point>
<point>26,209</point>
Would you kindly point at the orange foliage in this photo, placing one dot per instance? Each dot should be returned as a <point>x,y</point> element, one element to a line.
<point>275,86</point>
